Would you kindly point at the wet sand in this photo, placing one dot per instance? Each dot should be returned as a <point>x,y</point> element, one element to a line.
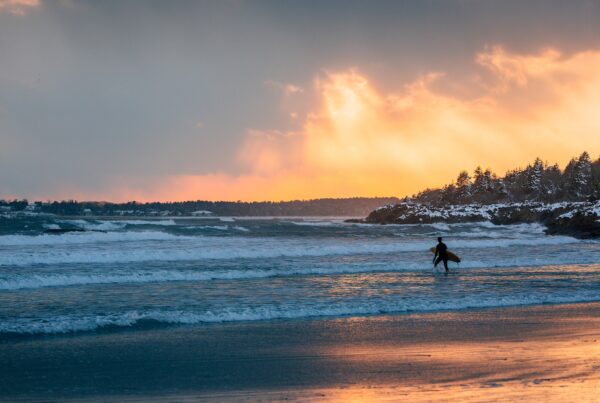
<point>550,353</point>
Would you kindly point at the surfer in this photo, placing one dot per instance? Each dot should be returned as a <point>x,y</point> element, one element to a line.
<point>441,254</point>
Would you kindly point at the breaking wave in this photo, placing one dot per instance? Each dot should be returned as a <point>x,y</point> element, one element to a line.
<point>177,248</point>
<point>75,323</point>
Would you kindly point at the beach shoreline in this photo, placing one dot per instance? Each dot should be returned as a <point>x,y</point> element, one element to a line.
<point>531,352</point>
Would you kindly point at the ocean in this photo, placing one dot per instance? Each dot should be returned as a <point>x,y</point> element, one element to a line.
<point>140,273</point>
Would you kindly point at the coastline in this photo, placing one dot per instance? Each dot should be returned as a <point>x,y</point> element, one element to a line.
<point>548,351</point>
<point>577,219</point>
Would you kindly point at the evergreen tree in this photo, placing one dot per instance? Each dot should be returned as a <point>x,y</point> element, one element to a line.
<point>568,180</point>
<point>534,178</point>
<point>551,183</point>
<point>596,179</point>
<point>583,175</point>
<point>463,186</point>
<point>580,180</point>
<point>477,179</point>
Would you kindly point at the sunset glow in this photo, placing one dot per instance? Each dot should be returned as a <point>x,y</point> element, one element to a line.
<point>332,126</point>
<point>267,200</point>
<point>363,140</point>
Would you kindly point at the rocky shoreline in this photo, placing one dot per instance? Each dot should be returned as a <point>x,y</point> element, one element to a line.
<point>577,219</point>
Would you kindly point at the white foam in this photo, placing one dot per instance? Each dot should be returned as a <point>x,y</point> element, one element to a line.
<point>215,227</point>
<point>25,281</point>
<point>167,223</point>
<point>176,248</point>
<point>114,225</point>
<point>441,226</point>
<point>83,238</point>
<point>97,226</point>
<point>315,223</point>
<point>73,323</point>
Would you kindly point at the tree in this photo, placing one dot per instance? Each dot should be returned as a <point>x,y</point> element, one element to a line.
<point>596,179</point>
<point>463,186</point>
<point>534,175</point>
<point>568,179</point>
<point>551,183</point>
<point>583,175</point>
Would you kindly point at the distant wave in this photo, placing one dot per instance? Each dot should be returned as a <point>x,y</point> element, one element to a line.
<point>181,248</point>
<point>74,323</point>
<point>113,225</point>
<point>315,223</point>
<point>25,281</point>
<point>84,238</point>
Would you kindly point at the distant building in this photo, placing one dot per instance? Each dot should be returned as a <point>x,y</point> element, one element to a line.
<point>202,213</point>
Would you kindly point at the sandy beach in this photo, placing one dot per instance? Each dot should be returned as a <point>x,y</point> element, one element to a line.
<point>547,352</point>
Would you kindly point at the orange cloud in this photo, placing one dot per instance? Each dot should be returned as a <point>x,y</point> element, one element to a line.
<point>360,140</point>
<point>18,7</point>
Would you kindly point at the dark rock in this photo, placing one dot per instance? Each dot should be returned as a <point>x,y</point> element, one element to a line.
<point>579,226</point>
<point>577,219</point>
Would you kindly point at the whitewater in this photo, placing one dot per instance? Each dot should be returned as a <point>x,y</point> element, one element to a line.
<point>61,275</point>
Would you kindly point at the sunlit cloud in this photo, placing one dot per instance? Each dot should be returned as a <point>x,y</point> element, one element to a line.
<point>362,140</point>
<point>18,7</point>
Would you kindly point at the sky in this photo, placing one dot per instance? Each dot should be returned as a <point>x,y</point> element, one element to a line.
<point>280,100</point>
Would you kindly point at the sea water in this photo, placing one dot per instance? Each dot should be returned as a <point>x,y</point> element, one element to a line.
<point>135,273</point>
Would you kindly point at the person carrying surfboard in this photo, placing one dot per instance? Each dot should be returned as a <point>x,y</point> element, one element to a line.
<point>441,254</point>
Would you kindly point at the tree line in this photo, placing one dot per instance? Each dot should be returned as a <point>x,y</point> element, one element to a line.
<point>538,181</point>
<point>356,206</point>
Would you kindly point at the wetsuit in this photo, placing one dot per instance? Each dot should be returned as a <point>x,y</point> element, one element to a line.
<point>441,255</point>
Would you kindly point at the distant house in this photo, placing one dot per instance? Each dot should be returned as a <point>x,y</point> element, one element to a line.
<point>87,211</point>
<point>202,213</point>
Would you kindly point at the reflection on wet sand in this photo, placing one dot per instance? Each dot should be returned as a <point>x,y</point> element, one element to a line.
<point>552,354</point>
<point>543,353</point>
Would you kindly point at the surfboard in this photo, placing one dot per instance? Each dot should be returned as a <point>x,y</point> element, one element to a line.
<point>451,256</point>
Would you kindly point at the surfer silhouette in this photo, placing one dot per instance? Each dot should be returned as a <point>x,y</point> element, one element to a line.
<point>441,254</point>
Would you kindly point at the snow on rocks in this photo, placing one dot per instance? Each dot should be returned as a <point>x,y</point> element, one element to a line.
<point>579,219</point>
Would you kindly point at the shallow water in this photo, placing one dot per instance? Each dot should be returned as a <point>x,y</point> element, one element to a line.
<point>142,272</point>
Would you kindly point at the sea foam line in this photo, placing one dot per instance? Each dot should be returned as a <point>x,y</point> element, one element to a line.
<point>178,248</point>
<point>35,281</point>
<point>74,323</point>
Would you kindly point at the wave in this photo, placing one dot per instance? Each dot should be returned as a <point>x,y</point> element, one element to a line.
<point>210,227</point>
<point>190,248</point>
<point>113,225</point>
<point>219,227</point>
<point>98,226</point>
<point>315,223</point>
<point>35,281</point>
<point>84,238</point>
<point>73,323</point>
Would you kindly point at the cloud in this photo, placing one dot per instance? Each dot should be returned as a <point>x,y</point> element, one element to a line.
<point>18,7</point>
<point>287,88</point>
<point>360,140</point>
